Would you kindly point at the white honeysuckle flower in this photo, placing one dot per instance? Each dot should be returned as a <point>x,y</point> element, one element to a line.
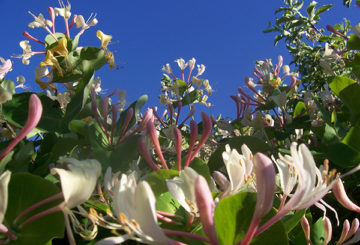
<point>4,182</point>
<point>110,179</point>
<point>5,67</point>
<point>269,119</point>
<point>191,63</point>
<point>78,180</point>
<point>197,82</point>
<point>286,69</point>
<point>27,52</point>
<point>183,189</point>
<point>280,99</point>
<point>81,23</point>
<point>181,63</point>
<point>329,58</point>
<point>201,69</point>
<point>64,11</point>
<point>265,69</point>
<point>167,68</point>
<point>239,169</point>
<point>39,21</point>
<point>96,85</point>
<point>356,29</point>
<point>20,79</point>
<point>41,73</point>
<point>287,173</point>
<point>208,87</point>
<point>134,207</point>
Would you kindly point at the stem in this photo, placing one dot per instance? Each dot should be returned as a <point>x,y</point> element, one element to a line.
<point>67,27</point>
<point>69,233</point>
<point>38,204</point>
<point>190,221</point>
<point>43,213</point>
<point>186,234</point>
<point>250,233</point>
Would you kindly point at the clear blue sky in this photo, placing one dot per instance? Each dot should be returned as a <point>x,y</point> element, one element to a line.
<point>226,36</point>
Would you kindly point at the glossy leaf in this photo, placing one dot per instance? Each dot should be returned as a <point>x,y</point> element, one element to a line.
<point>157,180</point>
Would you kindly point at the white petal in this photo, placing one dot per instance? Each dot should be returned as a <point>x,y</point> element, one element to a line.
<point>113,240</point>
<point>4,181</point>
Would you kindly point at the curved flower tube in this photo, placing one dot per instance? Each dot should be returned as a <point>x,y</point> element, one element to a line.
<point>34,115</point>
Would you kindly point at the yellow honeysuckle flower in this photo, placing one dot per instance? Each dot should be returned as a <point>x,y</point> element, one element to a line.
<point>105,39</point>
<point>50,60</point>
<point>110,59</point>
<point>60,48</point>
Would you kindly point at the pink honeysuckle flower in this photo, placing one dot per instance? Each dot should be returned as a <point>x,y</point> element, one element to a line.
<point>34,115</point>
<point>312,184</point>
<point>306,228</point>
<point>342,197</point>
<point>265,185</point>
<point>327,229</point>
<point>5,67</point>
<point>206,206</point>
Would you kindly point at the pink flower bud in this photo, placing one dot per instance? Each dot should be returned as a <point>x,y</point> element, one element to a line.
<point>342,198</point>
<point>34,115</point>
<point>327,229</point>
<point>306,228</point>
<point>206,206</point>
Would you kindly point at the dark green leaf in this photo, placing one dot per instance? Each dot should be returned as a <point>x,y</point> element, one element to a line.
<point>353,43</point>
<point>25,190</point>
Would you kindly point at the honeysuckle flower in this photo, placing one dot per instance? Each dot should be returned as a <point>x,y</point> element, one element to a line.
<point>39,21</point>
<point>342,197</point>
<point>312,185</point>
<point>105,39</point>
<point>27,52</point>
<point>81,23</point>
<point>181,63</point>
<point>78,179</point>
<point>97,85</point>
<point>201,69</point>
<point>327,229</point>
<point>50,60</point>
<point>167,68</point>
<point>287,173</point>
<point>197,81</point>
<point>183,189</point>
<point>191,63</point>
<point>208,87</point>
<point>348,231</point>
<point>4,181</point>
<point>134,207</point>
<point>61,48</point>
<point>306,228</point>
<point>5,67</point>
<point>206,206</point>
<point>64,11</point>
<point>329,58</point>
<point>239,169</point>
<point>34,115</point>
<point>20,79</point>
<point>265,184</point>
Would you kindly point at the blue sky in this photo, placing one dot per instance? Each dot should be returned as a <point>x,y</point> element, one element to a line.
<point>226,36</point>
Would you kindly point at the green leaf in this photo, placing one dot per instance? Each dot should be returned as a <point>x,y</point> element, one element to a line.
<point>352,138</point>
<point>201,168</point>
<point>349,92</point>
<point>25,190</point>
<point>16,111</point>
<point>324,8</point>
<point>254,143</point>
<point>157,180</point>
<point>299,109</point>
<point>292,219</point>
<point>192,97</point>
<point>343,155</point>
<point>330,134</point>
<point>124,154</point>
<point>232,218</point>
<point>353,43</point>
<point>311,9</point>
<point>8,85</point>
<point>167,203</point>
<point>317,233</point>
<point>22,158</point>
<point>5,161</point>
<point>78,101</point>
<point>50,42</point>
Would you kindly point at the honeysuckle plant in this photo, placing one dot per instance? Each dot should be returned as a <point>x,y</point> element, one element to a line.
<point>81,165</point>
